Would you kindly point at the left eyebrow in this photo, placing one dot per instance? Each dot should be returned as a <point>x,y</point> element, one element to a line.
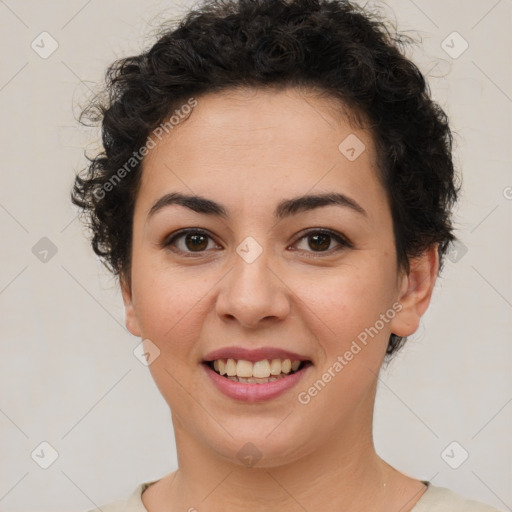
<point>285,208</point>
<point>310,202</point>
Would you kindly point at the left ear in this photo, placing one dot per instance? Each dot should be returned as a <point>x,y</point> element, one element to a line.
<point>416,289</point>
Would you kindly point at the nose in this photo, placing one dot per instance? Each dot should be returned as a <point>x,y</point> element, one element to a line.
<point>253,294</point>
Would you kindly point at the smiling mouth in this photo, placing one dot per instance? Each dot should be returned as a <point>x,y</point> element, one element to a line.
<point>259,372</point>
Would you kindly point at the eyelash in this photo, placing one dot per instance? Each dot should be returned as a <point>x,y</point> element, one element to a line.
<point>342,240</point>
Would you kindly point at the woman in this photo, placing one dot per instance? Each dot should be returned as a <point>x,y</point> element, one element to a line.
<point>275,197</point>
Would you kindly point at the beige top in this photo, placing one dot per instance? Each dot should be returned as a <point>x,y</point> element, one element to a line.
<point>434,499</point>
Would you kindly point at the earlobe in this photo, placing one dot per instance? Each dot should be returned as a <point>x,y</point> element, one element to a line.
<point>416,291</point>
<point>130,316</point>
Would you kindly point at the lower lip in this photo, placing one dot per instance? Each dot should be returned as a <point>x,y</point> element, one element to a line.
<point>254,392</point>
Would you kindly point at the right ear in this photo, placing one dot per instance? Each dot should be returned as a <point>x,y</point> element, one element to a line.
<point>131,321</point>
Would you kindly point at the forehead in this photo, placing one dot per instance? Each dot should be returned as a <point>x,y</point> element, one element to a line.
<point>262,120</point>
<point>268,142</point>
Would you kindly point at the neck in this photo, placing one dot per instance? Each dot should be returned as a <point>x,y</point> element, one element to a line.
<point>343,472</point>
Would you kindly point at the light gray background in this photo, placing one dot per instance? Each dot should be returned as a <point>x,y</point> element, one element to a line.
<point>68,375</point>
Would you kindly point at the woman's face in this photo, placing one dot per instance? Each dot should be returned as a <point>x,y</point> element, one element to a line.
<point>266,279</point>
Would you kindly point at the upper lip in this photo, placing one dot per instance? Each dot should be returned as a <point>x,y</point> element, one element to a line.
<point>253,355</point>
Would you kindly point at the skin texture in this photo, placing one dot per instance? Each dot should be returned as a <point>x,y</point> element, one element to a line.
<point>248,150</point>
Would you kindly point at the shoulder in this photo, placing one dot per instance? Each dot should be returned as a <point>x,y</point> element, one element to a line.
<point>133,503</point>
<point>441,499</point>
<point>434,499</point>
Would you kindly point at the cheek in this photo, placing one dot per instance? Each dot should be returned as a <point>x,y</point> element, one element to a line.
<point>350,302</point>
<point>347,324</point>
<point>170,305</point>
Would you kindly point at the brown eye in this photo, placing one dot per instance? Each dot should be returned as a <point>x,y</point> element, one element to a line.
<point>319,241</point>
<point>189,241</point>
<point>196,242</point>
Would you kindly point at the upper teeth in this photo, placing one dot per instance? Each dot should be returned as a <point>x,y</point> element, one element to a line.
<point>259,369</point>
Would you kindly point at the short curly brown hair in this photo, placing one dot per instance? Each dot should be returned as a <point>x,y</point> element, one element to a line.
<point>333,46</point>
